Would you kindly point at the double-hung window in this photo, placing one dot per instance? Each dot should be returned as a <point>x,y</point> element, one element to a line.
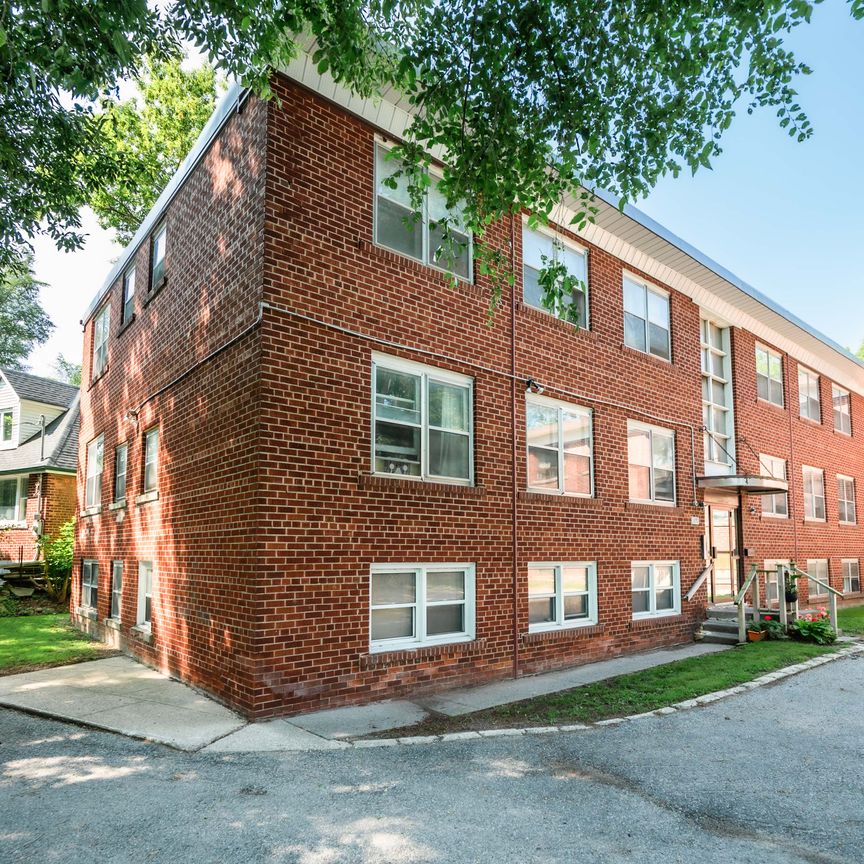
<point>418,233</point>
<point>819,570</point>
<point>128,295</point>
<point>842,410</point>
<point>851,576</point>
<point>121,456</point>
<point>655,588</point>
<point>808,395</point>
<point>422,421</point>
<point>145,593</point>
<point>13,499</point>
<point>541,250</point>
<point>562,595</point>
<point>420,604</point>
<point>777,504</point>
<point>846,509</point>
<point>6,422</point>
<point>651,463</point>
<point>151,459</point>
<point>116,588</point>
<point>89,583</point>
<point>646,318</point>
<point>157,255</point>
<point>769,375</point>
<point>814,493</point>
<point>93,488</point>
<point>559,447</point>
<point>716,394</point>
<point>100,340</point>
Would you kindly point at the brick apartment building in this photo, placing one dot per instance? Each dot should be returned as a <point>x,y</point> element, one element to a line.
<point>328,478</point>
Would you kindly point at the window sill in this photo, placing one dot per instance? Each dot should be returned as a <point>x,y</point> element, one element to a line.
<point>559,498</point>
<point>410,647</point>
<point>415,263</point>
<point>401,482</point>
<point>91,511</point>
<point>775,517</point>
<point>672,509</point>
<point>848,524</point>
<point>768,403</point>
<point>422,654</point>
<point>154,290</point>
<point>9,523</point>
<point>112,623</point>
<point>143,632</point>
<point>96,378</point>
<point>125,326</point>
<point>147,497</point>
<point>87,612</point>
<point>637,352</point>
<point>809,421</point>
<point>542,315</point>
<point>644,622</point>
<point>812,521</point>
<point>117,505</point>
<point>552,631</point>
<point>841,433</point>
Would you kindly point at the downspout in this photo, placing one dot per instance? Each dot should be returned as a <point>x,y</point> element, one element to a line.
<point>514,480</point>
<point>789,475</point>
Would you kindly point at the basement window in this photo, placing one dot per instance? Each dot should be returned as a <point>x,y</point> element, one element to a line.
<point>561,595</point>
<point>656,588</point>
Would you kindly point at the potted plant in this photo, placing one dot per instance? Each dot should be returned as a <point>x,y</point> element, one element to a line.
<point>791,588</point>
<point>755,633</point>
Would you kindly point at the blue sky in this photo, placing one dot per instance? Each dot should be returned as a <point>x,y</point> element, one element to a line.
<point>786,217</point>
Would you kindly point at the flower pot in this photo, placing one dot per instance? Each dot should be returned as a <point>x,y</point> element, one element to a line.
<point>755,635</point>
<point>791,596</point>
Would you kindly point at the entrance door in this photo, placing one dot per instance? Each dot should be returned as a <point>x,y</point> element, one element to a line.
<point>721,535</point>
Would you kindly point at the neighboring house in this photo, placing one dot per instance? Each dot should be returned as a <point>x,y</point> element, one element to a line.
<point>313,472</point>
<point>39,420</point>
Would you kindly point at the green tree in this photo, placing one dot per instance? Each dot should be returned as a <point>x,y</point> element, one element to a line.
<point>67,370</point>
<point>23,322</point>
<point>861,351</point>
<point>149,136</point>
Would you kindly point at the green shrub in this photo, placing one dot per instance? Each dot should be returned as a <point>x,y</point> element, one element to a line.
<point>814,627</point>
<point>59,554</point>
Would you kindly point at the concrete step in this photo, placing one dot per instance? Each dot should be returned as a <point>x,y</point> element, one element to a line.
<point>723,625</point>
<point>718,637</point>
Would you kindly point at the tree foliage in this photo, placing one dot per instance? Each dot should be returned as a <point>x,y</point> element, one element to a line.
<point>24,324</point>
<point>67,370</point>
<point>59,554</point>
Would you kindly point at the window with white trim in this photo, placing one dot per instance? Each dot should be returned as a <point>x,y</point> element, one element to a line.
<point>778,504</point>
<point>158,244</point>
<point>655,588</point>
<point>93,487</point>
<point>145,593</point>
<point>128,295</point>
<point>540,249</point>
<point>116,589</point>
<point>418,233</point>
<point>121,456</point>
<point>817,568</point>
<point>420,604</point>
<point>651,463</point>
<point>562,595</point>
<point>842,410</point>
<point>808,395</point>
<point>769,375</point>
<point>716,394</point>
<point>7,420</point>
<point>422,421</point>
<point>814,493</point>
<point>646,318</point>
<point>13,499</point>
<point>89,583</point>
<point>851,576</point>
<point>846,509</point>
<point>151,459</point>
<point>101,327</point>
<point>560,449</point>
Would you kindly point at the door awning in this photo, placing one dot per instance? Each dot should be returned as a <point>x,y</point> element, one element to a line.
<point>749,484</point>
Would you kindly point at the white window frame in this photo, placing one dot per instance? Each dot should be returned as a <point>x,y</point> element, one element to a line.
<point>654,430</point>
<point>560,623</point>
<point>714,440</point>
<point>426,374</point>
<point>124,447</point>
<point>89,583</point>
<point>818,590</point>
<point>648,288</point>
<point>561,408</point>
<point>428,258</point>
<point>161,231</point>
<point>846,566</point>
<point>10,441</point>
<point>101,328</point>
<point>93,482</point>
<point>116,591</point>
<point>843,481</point>
<point>652,589</point>
<point>769,464</point>
<point>143,566</point>
<point>810,379</point>
<point>127,310</point>
<point>811,498</point>
<point>420,605</point>
<point>151,457</point>
<point>20,518</point>
<point>776,355</point>
<point>843,413</point>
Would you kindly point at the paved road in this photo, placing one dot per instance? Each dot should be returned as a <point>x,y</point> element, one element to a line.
<point>771,776</point>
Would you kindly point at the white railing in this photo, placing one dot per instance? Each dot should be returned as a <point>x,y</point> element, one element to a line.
<point>833,593</point>
<point>752,579</point>
<point>700,581</point>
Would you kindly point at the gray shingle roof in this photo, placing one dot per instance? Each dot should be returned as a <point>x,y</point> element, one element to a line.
<point>37,389</point>
<point>61,446</point>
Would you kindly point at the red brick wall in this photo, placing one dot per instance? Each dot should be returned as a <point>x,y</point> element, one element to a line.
<point>57,493</point>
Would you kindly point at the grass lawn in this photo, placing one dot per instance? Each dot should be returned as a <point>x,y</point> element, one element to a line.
<point>633,693</point>
<point>32,641</point>
<point>851,620</point>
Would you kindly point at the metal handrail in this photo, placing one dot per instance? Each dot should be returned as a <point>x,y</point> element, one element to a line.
<point>700,581</point>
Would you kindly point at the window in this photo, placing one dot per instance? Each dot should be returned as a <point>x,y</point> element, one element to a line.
<point>819,570</point>
<point>774,505</point>
<point>846,499</point>
<point>145,593</point>
<point>538,245</point>
<point>421,604</point>
<point>842,410</point>
<point>646,318</point>
<point>808,394</point>
<point>100,340</point>
<point>851,576</point>
<point>814,493</point>
<point>769,376</point>
<point>559,447</point>
<point>128,295</point>
<point>656,588</point>
<point>89,583</point>
<point>157,256</point>
<point>121,453</point>
<point>6,420</point>
<point>561,595</point>
<point>93,491</point>
<point>422,422</point>
<point>651,458</point>
<point>151,459</point>
<point>716,403</point>
<point>418,233</point>
<point>116,588</point>
<point>13,499</point>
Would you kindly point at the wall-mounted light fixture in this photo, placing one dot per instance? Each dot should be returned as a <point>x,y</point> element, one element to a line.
<point>531,386</point>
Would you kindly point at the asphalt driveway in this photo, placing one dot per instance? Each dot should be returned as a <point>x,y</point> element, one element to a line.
<point>774,775</point>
